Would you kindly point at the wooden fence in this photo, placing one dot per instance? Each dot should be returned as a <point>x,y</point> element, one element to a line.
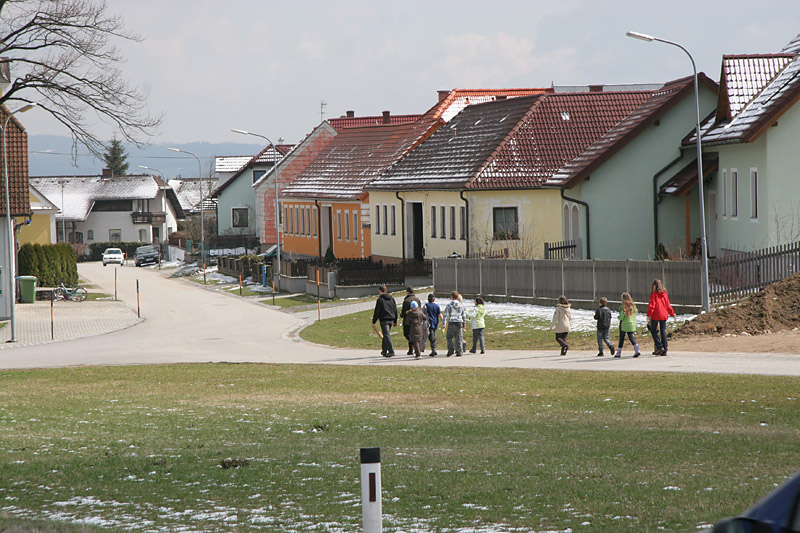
<point>578,279</point>
<point>246,267</point>
<point>351,272</point>
<point>742,274</point>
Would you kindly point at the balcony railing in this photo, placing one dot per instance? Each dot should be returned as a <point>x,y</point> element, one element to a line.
<point>142,217</point>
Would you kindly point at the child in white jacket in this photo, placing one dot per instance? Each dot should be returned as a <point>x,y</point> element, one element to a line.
<point>561,318</point>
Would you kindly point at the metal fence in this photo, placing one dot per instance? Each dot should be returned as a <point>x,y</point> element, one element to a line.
<point>562,250</point>
<point>577,279</point>
<point>739,275</point>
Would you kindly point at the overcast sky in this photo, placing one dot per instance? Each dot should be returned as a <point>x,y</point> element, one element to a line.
<point>265,66</point>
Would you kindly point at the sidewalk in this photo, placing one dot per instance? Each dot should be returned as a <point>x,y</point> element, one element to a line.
<point>70,320</point>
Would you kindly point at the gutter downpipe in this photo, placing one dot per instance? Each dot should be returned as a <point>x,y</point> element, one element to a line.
<point>588,235</point>
<point>657,198</point>
<point>466,222</point>
<point>402,225</point>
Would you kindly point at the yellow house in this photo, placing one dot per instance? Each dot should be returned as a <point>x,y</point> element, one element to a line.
<point>41,227</point>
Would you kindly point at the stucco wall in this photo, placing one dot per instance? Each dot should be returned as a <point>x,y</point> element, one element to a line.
<point>40,230</point>
<point>352,242</point>
<point>238,194</point>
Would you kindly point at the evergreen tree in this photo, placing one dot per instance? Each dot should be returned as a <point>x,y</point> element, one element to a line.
<point>116,158</point>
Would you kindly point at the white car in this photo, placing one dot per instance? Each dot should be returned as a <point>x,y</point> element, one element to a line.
<point>113,255</point>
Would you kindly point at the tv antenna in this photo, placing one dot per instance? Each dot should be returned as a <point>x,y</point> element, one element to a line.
<point>322,105</point>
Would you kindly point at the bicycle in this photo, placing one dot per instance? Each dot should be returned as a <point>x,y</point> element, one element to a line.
<point>74,294</point>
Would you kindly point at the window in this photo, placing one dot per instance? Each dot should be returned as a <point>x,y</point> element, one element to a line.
<point>724,192</point>
<point>347,225</point>
<point>258,174</point>
<point>297,220</point>
<point>115,235</point>
<point>314,219</point>
<point>452,222</point>
<point>308,220</point>
<point>302,220</point>
<point>239,217</point>
<point>355,227</point>
<point>394,221</point>
<point>338,225</point>
<point>142,235</point>
<point>385,219</point>
<point>377,220</point>
<point>433,222</point>
<point>287,219</point>
<point>113,205</point>
<point>734,193</point>
<point>753,193</point>
<point>79,237</point>
<point>142,206</point>
<point>442,222</point>
<point>505,223</point>
<point>90,235</point>
<point>463,222</point>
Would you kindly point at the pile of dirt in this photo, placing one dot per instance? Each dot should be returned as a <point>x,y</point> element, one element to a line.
<point>774,308</point>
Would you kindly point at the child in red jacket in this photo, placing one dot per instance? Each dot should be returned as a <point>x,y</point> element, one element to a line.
<point>658,311</point>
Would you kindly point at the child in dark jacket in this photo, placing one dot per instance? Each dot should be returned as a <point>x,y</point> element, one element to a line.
<point>603,317</point>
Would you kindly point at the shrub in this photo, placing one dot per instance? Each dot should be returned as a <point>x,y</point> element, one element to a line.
<point>50,263</point>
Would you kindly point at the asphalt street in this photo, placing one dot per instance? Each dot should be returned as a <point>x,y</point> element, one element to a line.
<point>183,322</point>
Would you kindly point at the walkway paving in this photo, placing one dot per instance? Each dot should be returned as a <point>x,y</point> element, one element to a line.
<point>35,324</point>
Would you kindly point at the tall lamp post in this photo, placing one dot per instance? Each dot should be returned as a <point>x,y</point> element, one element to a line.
<point>163,204</point>
<point>277,207</point>
<point>703,242</point>
<point>202,201</point>
<point>10,240</point>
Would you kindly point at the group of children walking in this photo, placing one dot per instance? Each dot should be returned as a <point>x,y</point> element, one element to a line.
<point>659,309</point>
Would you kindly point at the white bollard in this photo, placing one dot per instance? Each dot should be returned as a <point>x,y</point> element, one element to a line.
<point>371,490</point>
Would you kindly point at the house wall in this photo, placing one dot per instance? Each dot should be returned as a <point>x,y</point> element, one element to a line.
<point>346,232</point>
<point>620,192</point>
<point>100,223</point>
<point>238,194</point>
<point>41,230</point>
<point>537,220</point>
<point>775,157</point>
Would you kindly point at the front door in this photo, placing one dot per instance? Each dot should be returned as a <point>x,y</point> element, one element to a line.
<point>418,243</point>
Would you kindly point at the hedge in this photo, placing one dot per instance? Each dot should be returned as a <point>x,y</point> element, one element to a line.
<point>49,263</point>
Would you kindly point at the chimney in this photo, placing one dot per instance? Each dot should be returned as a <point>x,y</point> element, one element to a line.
<point>443,94</point>
<point>595,88</point>
<point>107,174</point>
<point>351,114</point>
<point>386,118</point>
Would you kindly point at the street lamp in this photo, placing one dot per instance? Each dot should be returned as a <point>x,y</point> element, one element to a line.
<point>277,207</point>
<point>163,189</point>
<point>202,201</point>
<point>10,240</point>
<point>703,243</point>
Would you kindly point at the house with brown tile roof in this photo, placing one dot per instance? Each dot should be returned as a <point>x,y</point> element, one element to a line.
<point>479,184</point>
<point>327,205</point>
<point>754,198</point>
<point>637,176</point>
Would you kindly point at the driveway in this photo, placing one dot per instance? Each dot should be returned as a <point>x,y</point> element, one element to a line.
<point>186,323</point>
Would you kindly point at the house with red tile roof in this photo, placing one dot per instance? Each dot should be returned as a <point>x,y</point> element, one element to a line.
<point>18,191</point>
<point>631,189</point>
<point>754,199</point>
<point>479,184</point>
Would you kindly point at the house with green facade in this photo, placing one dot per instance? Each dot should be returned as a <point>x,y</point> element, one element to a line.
<point>633,190</point>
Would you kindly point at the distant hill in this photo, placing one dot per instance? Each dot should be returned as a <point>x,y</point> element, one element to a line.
<point>51,155</point>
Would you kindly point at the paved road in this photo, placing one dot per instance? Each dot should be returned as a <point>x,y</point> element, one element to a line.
<point>184,322</point>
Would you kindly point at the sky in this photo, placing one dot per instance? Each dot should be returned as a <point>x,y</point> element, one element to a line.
<point>266,66</point>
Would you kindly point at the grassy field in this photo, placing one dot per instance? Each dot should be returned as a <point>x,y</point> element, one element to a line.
<point>258,447</point>
<point>528,333</point>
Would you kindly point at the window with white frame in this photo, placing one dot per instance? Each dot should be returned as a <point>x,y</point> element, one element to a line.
<point>452,222</point>
<point>442,222</point>
<point>504,223</point>
<point>394,221</point>
<point>463,232</point>
<point>90,235</point>
<point>385,219</point>
<point>314,221</point>
<point>338,225</point>
<point>433,222</point>
<point>356,229</point>
<point>239,217</point>
<point>377,220</point>
<point>725,192</point>
<point>754,193</point>
<point>297,220</point>
<point>734,193</point>
<point>347,225</point>
<point>288,228</point>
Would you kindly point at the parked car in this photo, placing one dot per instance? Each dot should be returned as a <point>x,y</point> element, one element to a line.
<point>778,512</point>
<point>113,255</point>
<point>145,254</point>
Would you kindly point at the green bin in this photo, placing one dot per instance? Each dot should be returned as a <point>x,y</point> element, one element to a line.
<point>27,289</point>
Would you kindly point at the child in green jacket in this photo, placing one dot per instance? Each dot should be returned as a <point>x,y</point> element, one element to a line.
<point>627,324</point>
<point>478,325</point>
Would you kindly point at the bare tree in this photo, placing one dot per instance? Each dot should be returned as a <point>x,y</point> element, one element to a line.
<point>61,55</point>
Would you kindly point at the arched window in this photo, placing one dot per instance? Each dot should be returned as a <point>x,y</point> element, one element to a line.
<point>576,228</point>
<point>566,226</point>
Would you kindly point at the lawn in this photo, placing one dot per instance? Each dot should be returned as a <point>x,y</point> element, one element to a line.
<point>261,447</point>
<point>525,333</point>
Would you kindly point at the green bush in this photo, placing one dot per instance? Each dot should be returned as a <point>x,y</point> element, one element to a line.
<point>49,263</point>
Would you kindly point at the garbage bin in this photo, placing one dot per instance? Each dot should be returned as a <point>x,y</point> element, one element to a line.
<point>27,289</point>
